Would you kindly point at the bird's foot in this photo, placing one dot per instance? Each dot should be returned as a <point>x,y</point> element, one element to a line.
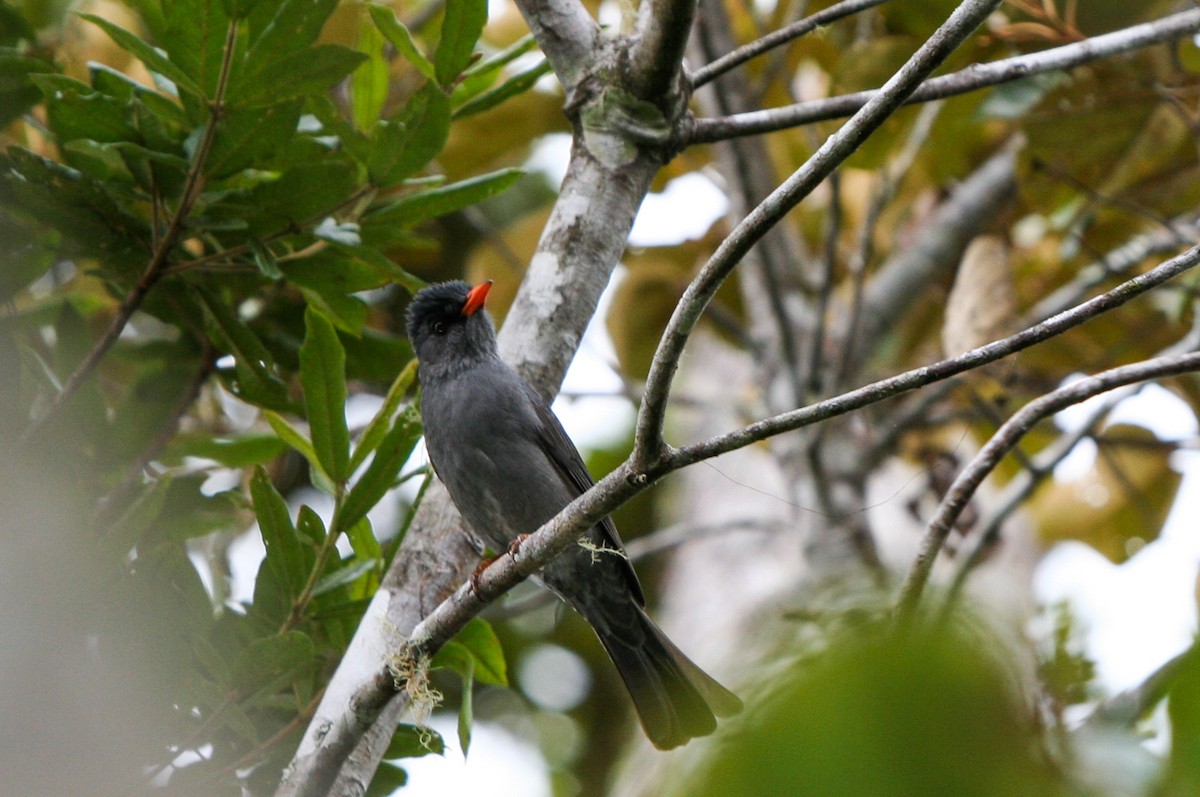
<point>477,572</point>
<point>514,547</point>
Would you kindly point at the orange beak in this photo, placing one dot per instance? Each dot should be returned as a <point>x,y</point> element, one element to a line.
<point>476,298</point>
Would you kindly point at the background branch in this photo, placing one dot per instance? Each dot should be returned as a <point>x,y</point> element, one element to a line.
<point>648,441</point>
<point>795,30</point>
<point>1003,441</point>
<point>972,78</point>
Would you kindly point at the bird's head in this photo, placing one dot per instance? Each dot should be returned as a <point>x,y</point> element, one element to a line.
<point>448,326</point>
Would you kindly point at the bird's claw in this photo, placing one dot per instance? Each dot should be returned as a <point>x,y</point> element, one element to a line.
<point>514,547</point>
<point>477,572</point>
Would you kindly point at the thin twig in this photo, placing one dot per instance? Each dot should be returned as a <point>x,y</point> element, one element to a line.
<point>648,441</point>
<point>1116,262</point>
<point>782,36</point>
<point>1127,707</point>
<point>1004,440</point>
<point>1045,462</point>
<point>817,378</point>
<point>972,78</point>
<point>936,372</point>
<point>893,173</point>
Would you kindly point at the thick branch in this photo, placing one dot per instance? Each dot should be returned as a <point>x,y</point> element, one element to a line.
<point>1003,441</point>
<point>656,57</point>
<point>567,35</point>
<point>648,442</point>
<point>970,79</point>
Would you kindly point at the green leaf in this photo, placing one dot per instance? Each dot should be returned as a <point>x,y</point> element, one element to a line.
<point>304,194</point>
<point>474,653</point>
<point>346,575</point>
<point>285,557</point>
<point>382,265</point>
<point>293,437</point>
<point>255,381</point>
<point>403,145</point>
<point>311,528</point>
<point>265,260</point>
<point>414,741</point>
<point>461,27</point>
<point>17,93</point>
<point>363,540</point>
<point>211,660</point>
<point>401,38</point>
<point>517,84</point>
<point>14,27</point>
<point>310,71</point>
<point>76,110</point>
<point>393,451</point>
<point>483,74</point>
<point>415,208</point>
<point>466,711</point>
<point>154,60</point>
<point>369,88</point>
<point>236,452</point>
<point>237,720</point>
<point>246,135</point>
<point>293,25</point>
<point>264,660</point>
<point>379,425</point>
<point>323,379</point>
<point>347,313</point>
<point>387,780</point>
<point>479,638</point>
<point>195,40</point>
<point>456,656</point>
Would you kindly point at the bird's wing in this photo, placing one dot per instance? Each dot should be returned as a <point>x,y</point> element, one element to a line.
<point>554,441</point>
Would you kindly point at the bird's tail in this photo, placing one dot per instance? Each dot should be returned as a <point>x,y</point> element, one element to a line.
<point>674,698</point>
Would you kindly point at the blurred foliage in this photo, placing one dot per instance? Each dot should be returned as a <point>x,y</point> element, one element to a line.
<point>212,213</point>
<point>883,713</point>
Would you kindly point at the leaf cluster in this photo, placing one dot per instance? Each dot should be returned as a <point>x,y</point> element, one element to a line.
<point>200,252</point>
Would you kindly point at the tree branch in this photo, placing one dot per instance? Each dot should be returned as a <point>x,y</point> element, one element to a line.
<point>648,442</point>
<point>567,35</point>
<point>339,734</point>
<point>1126,708</point>
<point>776,38</point>
<point>943,369</point>
<point>936,252</point>
<point>972,78</point>
<point>1004,440</point>
<point>656,56</point>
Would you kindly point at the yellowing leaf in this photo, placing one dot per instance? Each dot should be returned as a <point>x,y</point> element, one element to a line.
<point>1120,505</point>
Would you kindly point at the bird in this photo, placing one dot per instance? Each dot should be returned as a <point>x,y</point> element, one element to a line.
<point>509,467</point>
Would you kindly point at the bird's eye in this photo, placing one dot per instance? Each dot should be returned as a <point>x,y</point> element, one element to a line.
<point>439,327</point>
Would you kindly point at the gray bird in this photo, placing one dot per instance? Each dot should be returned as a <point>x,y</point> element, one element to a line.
<point>510,467</point>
